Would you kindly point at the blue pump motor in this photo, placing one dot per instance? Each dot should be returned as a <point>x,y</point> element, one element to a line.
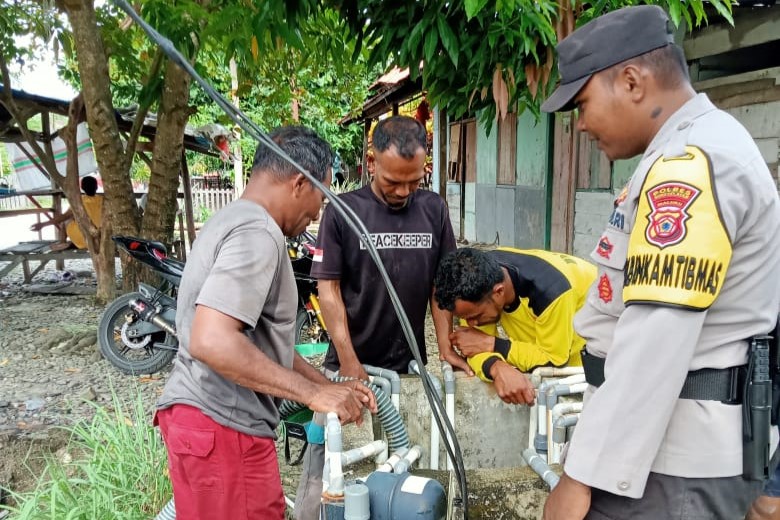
<point>403,496</point>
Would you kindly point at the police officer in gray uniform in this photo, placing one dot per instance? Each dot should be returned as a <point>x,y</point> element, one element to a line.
<point>689,270</point>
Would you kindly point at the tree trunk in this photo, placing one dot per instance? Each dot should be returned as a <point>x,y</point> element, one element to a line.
<point>101,248</point>
<point>238,166</point>
<point>120,212</point>
<point>161,205</point>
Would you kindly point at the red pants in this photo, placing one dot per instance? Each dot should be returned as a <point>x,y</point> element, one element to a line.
<point>218,472</point>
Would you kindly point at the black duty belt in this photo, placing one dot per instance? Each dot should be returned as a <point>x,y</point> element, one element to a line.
<point>706,384</point>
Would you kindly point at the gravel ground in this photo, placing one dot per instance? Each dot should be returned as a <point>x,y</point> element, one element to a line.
<point>51,373</point>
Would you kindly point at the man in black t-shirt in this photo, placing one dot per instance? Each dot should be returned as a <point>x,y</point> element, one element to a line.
<point>412,231</point>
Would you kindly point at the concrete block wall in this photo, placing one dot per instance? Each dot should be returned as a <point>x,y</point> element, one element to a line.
<point>762,120</point>
<point>491,433</point>
<point>591,212</point>
<point>453,204</point>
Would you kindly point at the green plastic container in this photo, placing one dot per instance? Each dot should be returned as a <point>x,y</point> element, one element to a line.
<point>311,349</point>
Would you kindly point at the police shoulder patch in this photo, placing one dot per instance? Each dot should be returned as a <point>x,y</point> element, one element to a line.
<point>679,248</point>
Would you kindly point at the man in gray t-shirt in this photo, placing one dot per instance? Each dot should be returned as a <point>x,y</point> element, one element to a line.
<point>235,320</point>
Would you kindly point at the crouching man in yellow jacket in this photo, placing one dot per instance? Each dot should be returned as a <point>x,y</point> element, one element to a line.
<point>532,294</point>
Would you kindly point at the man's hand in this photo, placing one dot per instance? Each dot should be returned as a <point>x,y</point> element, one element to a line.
<point>450,356</point>
<point>471,341</point>
<point>345,400</point>
<point>511,385</point>
<point>362,389</point>
<point>570,500</point>
<point>354,370</point>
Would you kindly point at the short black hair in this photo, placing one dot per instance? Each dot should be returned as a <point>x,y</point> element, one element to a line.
<point>89,185</point>
<point>407,134</point>
<point>667,64</point>
<point>466,274</point>
<point>303,145</point>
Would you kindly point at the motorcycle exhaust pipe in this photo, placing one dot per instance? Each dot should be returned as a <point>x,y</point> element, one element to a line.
<point>149,313</point>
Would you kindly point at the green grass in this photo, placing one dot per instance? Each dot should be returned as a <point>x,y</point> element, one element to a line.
<point>118,471</point>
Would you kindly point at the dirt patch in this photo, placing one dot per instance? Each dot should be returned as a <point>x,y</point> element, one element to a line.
<point>24,459</point>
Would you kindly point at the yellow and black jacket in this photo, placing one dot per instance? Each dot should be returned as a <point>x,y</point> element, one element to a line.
<point>550,288</point>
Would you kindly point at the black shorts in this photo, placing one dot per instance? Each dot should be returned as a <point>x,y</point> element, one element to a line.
<point>678,498</point>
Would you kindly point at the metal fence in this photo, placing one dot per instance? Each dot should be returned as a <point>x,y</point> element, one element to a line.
<point>206,202</point>
<point>15,202</point>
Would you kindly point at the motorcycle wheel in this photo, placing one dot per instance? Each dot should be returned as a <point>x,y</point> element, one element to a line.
<point>136,355</point>
<point>307,329</point>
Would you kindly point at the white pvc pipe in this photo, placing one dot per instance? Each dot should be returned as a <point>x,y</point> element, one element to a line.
<point>450,408</point>
<point>335,476</point>
<point>388,466</point>
<point>562,409</point>
<point>434,462</point>
<point>449,404</point>
<point>564,387</point>
<point>395,382</point>
<point>406,462</point>
<point>533,422</point>
<point>541,468</point>
<point>542,372</point>
<point>434,455</point>
<point>358,454</point>
<point>537,430</point>
<point>546,429</point>
<point>541,409</point>
<point>559,435</point>
<point>573,379</point>
<point>385,385</point>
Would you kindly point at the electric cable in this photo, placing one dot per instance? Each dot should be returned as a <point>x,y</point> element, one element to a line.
<point>352,220</point>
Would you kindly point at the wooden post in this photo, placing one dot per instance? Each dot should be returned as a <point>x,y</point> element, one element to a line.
<point>364,176</point>
<point>57,197</point>
<point>438,159</point>
<point>185,180</point>
<point>443,151</point>
<point>462,171</point>
<point>565,162</point>
<point>181,250</point>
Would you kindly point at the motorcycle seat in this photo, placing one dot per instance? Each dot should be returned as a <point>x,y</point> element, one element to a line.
<point>159,246</point>
<point>175,267</point>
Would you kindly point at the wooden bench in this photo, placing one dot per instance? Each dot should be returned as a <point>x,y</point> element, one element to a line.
<point>36,251</point>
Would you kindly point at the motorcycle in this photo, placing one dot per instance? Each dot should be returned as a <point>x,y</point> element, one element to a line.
<point>309,323</point>
<point>137,331</point>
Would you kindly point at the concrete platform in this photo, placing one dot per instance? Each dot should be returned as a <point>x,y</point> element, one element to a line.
<point>491,433</point>
<point>492,437</point>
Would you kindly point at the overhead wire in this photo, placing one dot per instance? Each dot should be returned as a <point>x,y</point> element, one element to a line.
<point>451,443</point>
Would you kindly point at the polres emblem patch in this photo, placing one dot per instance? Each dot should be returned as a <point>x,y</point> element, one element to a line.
<point>669,203</point>
<point>604,248</point>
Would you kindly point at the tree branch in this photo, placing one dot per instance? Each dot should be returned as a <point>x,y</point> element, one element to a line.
<point>143,109</point>
<point>68,134</point>
<point>46,165</point>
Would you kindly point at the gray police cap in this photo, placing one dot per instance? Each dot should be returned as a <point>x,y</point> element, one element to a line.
<point>603,42</point>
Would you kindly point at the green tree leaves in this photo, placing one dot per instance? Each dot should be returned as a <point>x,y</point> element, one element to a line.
<point>473,7</point>
<point>462,43</point>
<point>448,39</point>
